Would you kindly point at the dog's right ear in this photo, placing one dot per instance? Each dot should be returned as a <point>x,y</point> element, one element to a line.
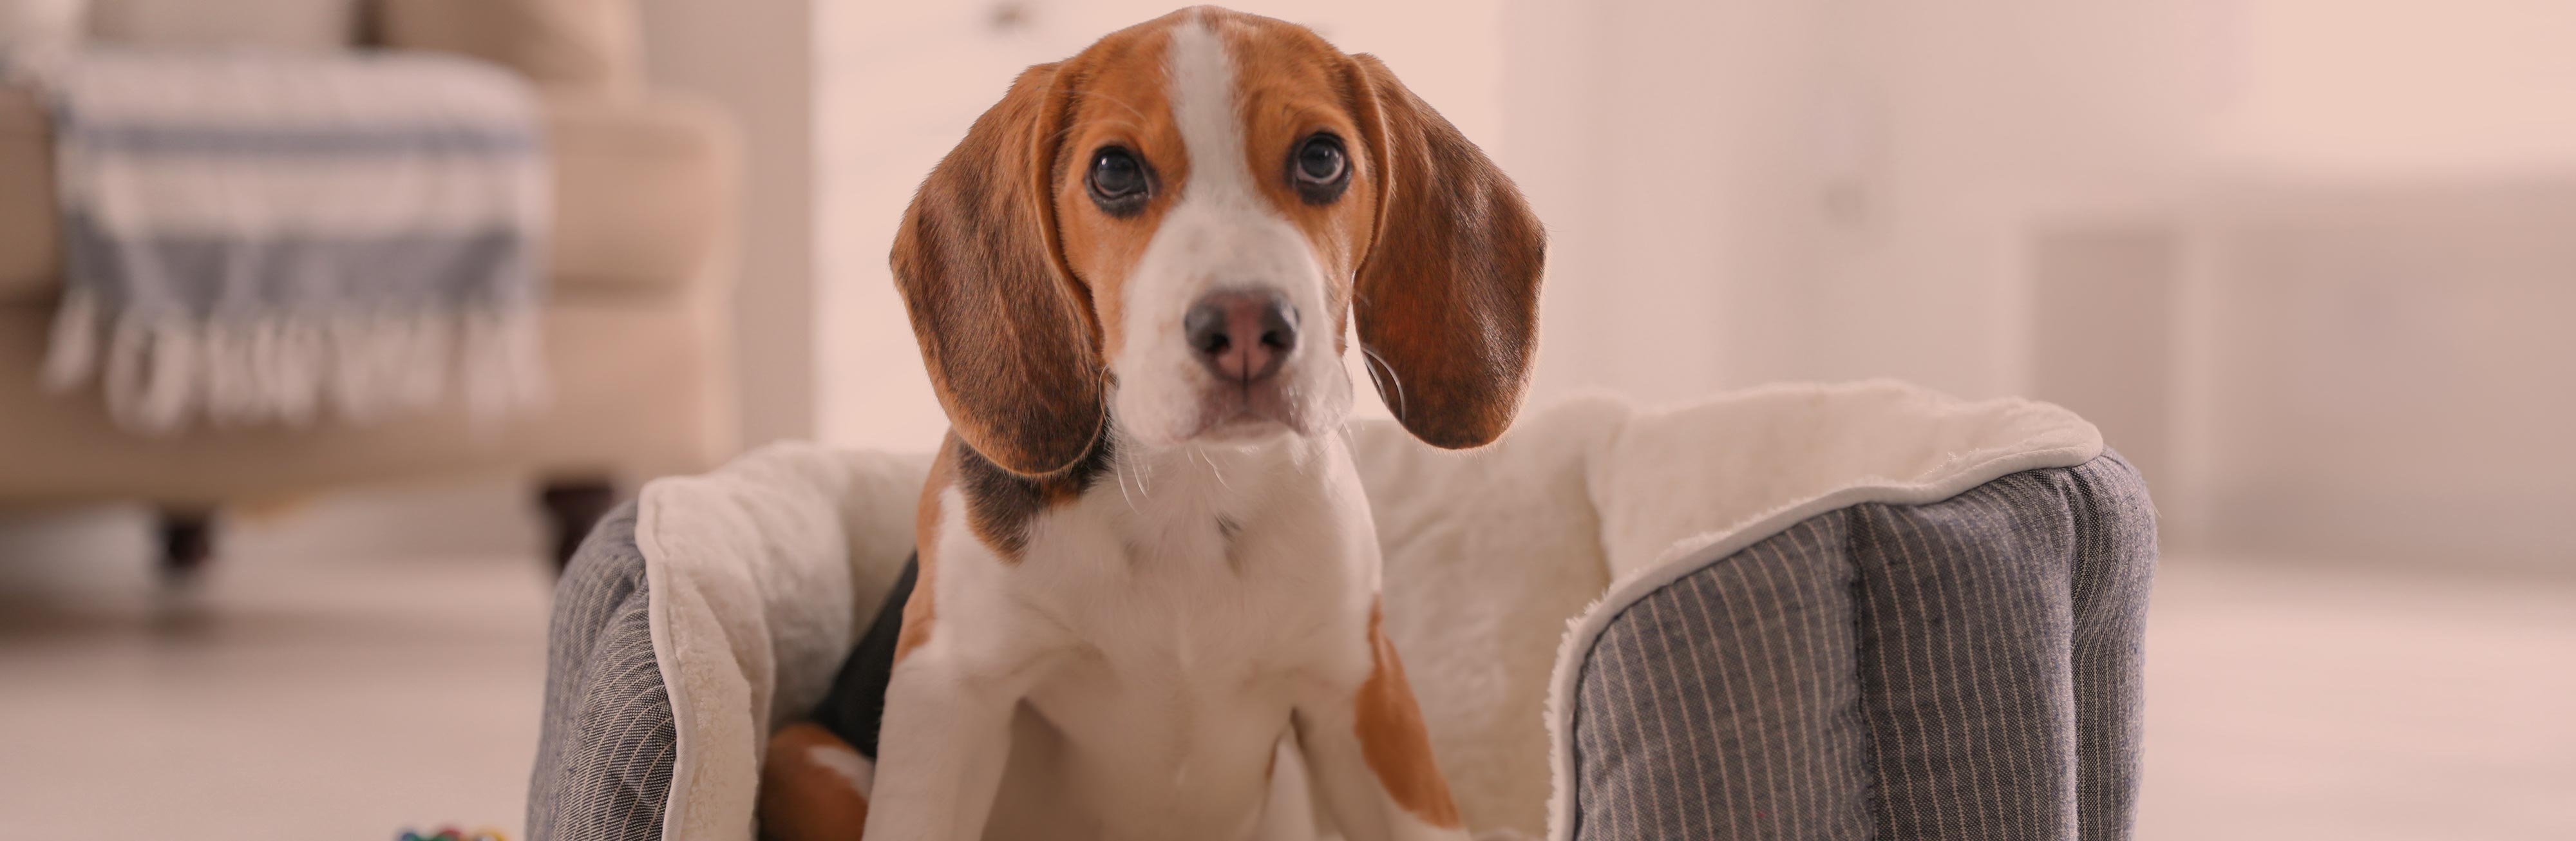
<point>1007,333</point>
<point>1447,299</point>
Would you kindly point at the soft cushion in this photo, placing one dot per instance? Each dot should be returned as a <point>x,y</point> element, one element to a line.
<point>593,45</point>
<point>642,189</point>
<point>317,25</point>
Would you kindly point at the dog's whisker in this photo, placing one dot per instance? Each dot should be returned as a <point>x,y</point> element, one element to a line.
<point>1391,375</point>
<point>1118,471</point>
<point>1145,479</point>
<point>1212,468</point>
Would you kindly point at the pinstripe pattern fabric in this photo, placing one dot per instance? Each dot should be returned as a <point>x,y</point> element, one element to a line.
<point>604,757</point>
<point>1963,669</point>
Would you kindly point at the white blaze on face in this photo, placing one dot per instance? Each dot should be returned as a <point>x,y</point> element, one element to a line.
<point>1203,107</point>
<point>1221,235</point>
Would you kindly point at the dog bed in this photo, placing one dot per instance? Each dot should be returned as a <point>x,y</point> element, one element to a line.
<point>1851,611</point>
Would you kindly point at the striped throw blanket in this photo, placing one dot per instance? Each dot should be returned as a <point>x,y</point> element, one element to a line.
<point>275,239</point>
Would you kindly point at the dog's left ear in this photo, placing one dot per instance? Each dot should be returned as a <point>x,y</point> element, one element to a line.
<point>1447,298</point>
<point>1007,334</point>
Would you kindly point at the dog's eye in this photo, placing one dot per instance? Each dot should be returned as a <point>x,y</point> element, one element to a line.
<point>1320,169</point>
<point>1118,181</point>
<point>1320,161</point>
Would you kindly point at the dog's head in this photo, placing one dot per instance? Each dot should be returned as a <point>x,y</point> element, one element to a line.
<point>1173,229</point>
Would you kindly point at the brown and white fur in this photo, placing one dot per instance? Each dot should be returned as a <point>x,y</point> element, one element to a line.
<point>1146,564</point>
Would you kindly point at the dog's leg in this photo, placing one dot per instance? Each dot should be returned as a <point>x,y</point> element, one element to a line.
<point>940,756</point>
<point>1371,759</point>
<point>813,787</point>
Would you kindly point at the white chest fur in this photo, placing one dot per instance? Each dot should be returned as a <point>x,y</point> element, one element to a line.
<point>1160,629</point>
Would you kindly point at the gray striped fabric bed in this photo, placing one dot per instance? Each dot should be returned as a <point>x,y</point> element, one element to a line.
<point>604,756</point>
<point>1962,669</point>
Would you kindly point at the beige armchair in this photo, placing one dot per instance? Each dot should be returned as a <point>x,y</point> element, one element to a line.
<point>636,330</point>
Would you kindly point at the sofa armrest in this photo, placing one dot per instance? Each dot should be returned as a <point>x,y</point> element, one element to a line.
<point>584,45</point>
<point>645,192</point>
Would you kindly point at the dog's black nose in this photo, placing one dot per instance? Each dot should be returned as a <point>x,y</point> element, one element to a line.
<point>1241,336</point>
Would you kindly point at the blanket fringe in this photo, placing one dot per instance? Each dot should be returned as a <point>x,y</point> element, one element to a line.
<point>159,372</point>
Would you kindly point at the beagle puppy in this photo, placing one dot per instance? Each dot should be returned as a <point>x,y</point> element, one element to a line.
<point>1146,568</point>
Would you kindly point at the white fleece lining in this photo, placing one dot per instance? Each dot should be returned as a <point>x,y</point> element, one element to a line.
<point>657,618</point>
<point>760,572</point>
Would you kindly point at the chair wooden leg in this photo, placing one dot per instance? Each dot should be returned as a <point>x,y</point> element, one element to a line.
<point>187,544</point>
<point>573,506</point>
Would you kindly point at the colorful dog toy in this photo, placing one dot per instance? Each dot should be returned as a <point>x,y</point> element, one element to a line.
<point>451,833</point>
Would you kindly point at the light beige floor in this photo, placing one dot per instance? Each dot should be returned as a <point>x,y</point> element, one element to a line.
<point>307,691</point>
<point>314,690</point>
<point>2298,701</point>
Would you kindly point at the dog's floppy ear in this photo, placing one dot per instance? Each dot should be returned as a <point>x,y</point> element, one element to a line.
<point>1447,297</point>
<point>1007,334</point>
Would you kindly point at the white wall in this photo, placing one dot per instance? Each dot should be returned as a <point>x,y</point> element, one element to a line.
<point>1749,190</point>
<point>2373,88</point>
<point>756,59</point>
<point>2392,372</point>
<point>2358,285</point>
<point>1657,145</point>
<point>2055,197</point>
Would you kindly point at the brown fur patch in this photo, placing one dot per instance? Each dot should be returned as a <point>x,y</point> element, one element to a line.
<point>1117,93</point>
<point>1393,739</point>
<point>921,610</point>
<point>1000,504</point>
<point>801,800</point>
<point>1006,334</point>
